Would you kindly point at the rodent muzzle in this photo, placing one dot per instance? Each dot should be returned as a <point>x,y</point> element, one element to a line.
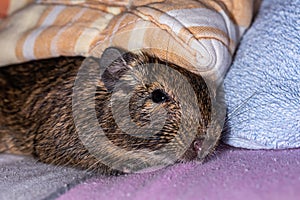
<point>197,144</point>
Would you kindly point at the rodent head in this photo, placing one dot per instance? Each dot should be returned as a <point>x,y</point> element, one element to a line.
<point>156,111</point>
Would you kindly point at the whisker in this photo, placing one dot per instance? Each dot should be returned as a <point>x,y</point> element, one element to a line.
<point>242,104</point>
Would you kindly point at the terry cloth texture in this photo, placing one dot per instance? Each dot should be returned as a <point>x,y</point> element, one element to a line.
<point>263,85</point>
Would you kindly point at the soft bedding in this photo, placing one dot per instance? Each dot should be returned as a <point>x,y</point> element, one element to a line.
<point>198,35</point>
<point>262,87</point>
<point>205,34</point>
<point>232,174</point>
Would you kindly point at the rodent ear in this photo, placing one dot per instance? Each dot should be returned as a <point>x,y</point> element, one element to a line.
<point>115,65</point>
<point>110,55</point>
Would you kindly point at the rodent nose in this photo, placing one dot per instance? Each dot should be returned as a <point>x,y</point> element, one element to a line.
<point>197,144</point>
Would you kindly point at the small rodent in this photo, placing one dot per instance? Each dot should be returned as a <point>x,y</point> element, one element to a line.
<point>36,116</point>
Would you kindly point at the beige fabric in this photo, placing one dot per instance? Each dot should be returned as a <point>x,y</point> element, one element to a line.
<point>198,35</point>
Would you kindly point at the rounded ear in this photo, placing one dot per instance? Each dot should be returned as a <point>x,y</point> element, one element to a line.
<point>110,55</point>
<point>114,62</point>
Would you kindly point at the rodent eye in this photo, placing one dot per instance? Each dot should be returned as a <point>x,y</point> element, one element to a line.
<point>159,96</point>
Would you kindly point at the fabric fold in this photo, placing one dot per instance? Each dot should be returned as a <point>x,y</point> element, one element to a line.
<point>200,36</point>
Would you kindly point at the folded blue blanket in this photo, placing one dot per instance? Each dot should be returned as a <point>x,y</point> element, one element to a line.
<point>263,85</point>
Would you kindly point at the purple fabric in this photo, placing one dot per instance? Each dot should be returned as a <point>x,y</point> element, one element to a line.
<point>231,174</point>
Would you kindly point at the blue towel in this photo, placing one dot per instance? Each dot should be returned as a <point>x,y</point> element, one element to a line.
<point>263,84</point>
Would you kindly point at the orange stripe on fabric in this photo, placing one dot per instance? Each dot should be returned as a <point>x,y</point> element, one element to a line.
<point>86,20</point>
<point>67,15</point>
<point>166,47</point>
<point>42,47</point>
<point>204,32</point>
<point>67,40</point>
<point>169,5</point>
<point>120,24</point>
<point>113,7</point>
<point>61,38</point>
<point>20,43</point>
<point>95,28</point>
<point>4,4</point>
<point>239,11</point>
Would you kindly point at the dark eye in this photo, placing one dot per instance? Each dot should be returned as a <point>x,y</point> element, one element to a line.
<point>159,96</point>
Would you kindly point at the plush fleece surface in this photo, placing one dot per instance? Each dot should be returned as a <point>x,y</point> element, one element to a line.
<point>233,174</point>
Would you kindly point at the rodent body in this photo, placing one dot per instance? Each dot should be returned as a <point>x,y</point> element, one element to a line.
<point>36,116</point>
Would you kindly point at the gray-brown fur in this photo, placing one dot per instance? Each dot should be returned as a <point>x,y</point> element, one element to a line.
<point>36,111</point>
